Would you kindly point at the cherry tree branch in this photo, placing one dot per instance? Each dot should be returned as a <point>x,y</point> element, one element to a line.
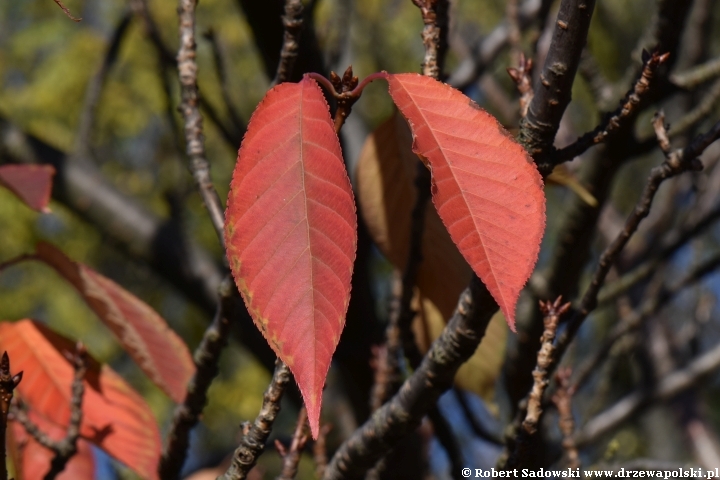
<point>65,448</point>
<point>553,91</point>
<point>8,383</point>
<point>404,412</point>
<point>206,358</point>
<point>293,24</point>
<point>253,442</point>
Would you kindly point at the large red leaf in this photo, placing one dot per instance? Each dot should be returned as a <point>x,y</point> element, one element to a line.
<point>30,183</point>
<point>144,334</point>
<point>32,460</point>
<point>115,417</point>
<point>485,187</point>
<point>290,231</point>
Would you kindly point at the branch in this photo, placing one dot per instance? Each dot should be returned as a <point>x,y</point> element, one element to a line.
<point>187,72</point>
<point>552,311</point>
<point>676,163</point>
<point>434,35</point>
<point>665,389</point>
<point>95,88</point>
<point>619,120</point>
<point>67,11</point>
<point>67,447</point>
<point>648,308</point>
<point>404,412</point>
<point>522,76</point>
<point>698,75</point>
<point>320,451</point>
<point>206,359</point>
<point>563,402</point>
<point>291,458</point>
<point>552,93</point>
<point>253,442</point>
<point>292,23</point>
<point>8,383</point>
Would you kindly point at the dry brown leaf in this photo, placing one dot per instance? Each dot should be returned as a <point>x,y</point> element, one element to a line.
<point>386,194</point>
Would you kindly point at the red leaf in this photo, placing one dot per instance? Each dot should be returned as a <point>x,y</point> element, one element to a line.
<point>290,231</point>
<point>486,189</point>
<point>33,460</point>
<point>30,183</point>
<point>115,417</point>
<point>144,334</point>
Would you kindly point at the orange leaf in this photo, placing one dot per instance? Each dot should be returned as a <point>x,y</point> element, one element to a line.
<point>290,231</point>
<point>115,417</point>
<point>486,189</point>
<point>30,183</point>
<point>144,334</point>
<point>32,460</point>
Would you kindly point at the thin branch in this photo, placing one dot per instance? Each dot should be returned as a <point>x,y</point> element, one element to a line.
<point>65,448</point>
<point>522,76</point>
<point>320,451</point>
<point>189,107</point>
<point>676,163</point>
<point>552,93</point>
<point>67,11</point>
<point>704,108</point>
<point>222,78</point>
<point>434,35</point>
<point>291,458</point>
<point>253,443</point>
<point>552,311</point>
<point>95,87</point>
<point>404,412</point>
<point>563,402</point>
<point>206,359</point>
<point>648,308</point>
<point>665,389</point>
<point>293,24</point>
<point>618,120</point>
<point>698,75</point>
<point>8,383</point>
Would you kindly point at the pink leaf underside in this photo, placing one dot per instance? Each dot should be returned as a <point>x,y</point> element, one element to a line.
<point>30,183</point>
<point>145,335</point>
<point>115,417</point>
<point>486,189</point>
<point>290,231</point>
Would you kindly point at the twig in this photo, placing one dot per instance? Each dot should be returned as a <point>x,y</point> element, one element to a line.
<point>704,108</point>
<point>95,87</point>
<point>552,95</point>
<point>206,359</point>
<point>563,402</point>
<point>522,76</point>
<point>320,451</point>
<point>676,163</point>
<point>187,72</point>
<point>253,442</point>
<point>420,391</point>
<point>67,11</point>
<point>291,458</point>
<point>619,119</point>
<point>222,78</point>
<point>293,24</point>
<point>67,447</point>
<point>344,89</point>
<point>648,308</point>
<point>8,383</point>
<point>434,35</point>
<point>552,311</point>
<point>513,25</point>
<point>665,389</point>
<point>697,75</point>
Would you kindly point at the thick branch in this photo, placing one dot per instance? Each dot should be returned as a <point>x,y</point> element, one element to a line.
<point>8,382</point>
<point>553,91</point>
<point>405,410</point>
